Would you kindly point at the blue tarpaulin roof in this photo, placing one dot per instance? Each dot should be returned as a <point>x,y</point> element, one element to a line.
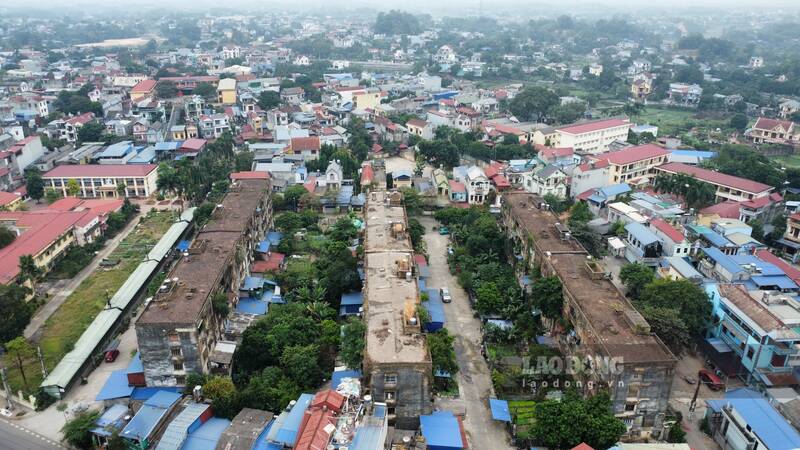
<point>435,309</point>
<point>764,421</point>
<point>111,420</point>
<point>207,436</point>
<point>352,298</point>
<point>183,245</point>
<point>116,386</point>
<point>500,410</point>
<point>441,430</point>
<point>337,376</point>
<point>149,415</point>
<point>274,237</point>
<point>287,434</point>
<point>249,305</point>
<point>251,283</point>
<point>263,246</point>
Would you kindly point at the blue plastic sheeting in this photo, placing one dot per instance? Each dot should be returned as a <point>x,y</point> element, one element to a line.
<point>150,415</point>
<point>766,423</point>
<point>352,298</point>
<point>435,309</point>
<point>263,246</point>
<point>274,237</point>
<point>424,272</point>
<point>337,376</point>
<point>441,430</point>
<point>723,260</point>
<point>183,245</point>
<point>207,436</point>
<point>111,420</point>
<point>144,393</point>
<point>500,410</point>
<point>252,283</point>
<point>287,434</point>
<point>254,306</point>
<point>781,282</point>
<point>116,386</point>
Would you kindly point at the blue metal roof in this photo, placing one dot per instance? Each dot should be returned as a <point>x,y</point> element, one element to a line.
<point>402,173</point>
<point>111,420</point>
<point>144,393</point>
<point>344,195</point>
<point>337,376</point>
<point>179,428</point>
<point>369,437</point>
<point>207,436</point>
<point>781,282</point>
<point>274,237</point>
<point>500,410</point>
<point>765,422</point>
<point>261,442</point>
<point>697,153</point>
<point>614,189</point>
<point>168,145</point>
<point>441,429</point>
<point>287,434</point>
<point>716,239</point>
<point>352,298</point>
<point>117,150</point>
<point>116,386</point>
<point>766,269</point>
<point>263,246</point>
<point>145,156</point>
<point>682,267</point>
<point>641,233</point>
<point>251,283</point>
<point>149,415</point>
<point>723,260</point>
<point>254,306</point>
<point>424,271</point>
<point>435,308</point>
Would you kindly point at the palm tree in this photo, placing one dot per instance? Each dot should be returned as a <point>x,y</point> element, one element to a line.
<point>28,270</point>
<point>318,310</point>
<point>308,294</point>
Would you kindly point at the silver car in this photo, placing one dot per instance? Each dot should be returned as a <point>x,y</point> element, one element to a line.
<point>446,298</point>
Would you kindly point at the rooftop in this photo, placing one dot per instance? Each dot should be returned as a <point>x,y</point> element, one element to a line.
<point>215,244</point>
<point>717,178</point>
<point>633,154</point>
<point>244,429</point>
<point>598,300</point>
<point>758,313</point>
<point>390,295</point>
<point>100,170</point>
<point>595,125</point>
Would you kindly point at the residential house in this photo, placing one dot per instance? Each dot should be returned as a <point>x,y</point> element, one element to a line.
<point>633,165</point>
<point>642,245</point>
<point>439,179</point>
<point>549,180</point>
<point>293,95</point>
<point>476,182</point>
<point>143,89</point>
<point>787,108</point>
<point>420,128</point>
<point>71,126</point>
<point>673,241</point>
<point>458,192</point>
<point>641,88</point>
<point>22,154</point>
<point>401,178</point>
<point>773,131</point>
<point>684,94</point>
<point>592,137</point>
<point>308,147</point>
<point>588,176</point>
<point>226,91</point>
<point>743,418</point>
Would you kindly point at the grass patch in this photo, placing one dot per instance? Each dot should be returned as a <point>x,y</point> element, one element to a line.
<point>788,160</point>
<point>676,121</point>
<point>497,350</point>
<point>65,326</point>
<point>522,416</point>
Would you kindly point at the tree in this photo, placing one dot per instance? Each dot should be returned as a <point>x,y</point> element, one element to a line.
<point>352,343</point>
<point>244,161</point>
<point>580,214</point>
<point>546,294</point>
<point>51,195</point>
<point>301,364</point>
<point>15,312</point>
<point>90,132</point>
<point>116,442</point>
<point>635,277</point>
<point>28,270</point>
<point>219,303</point>
<point>489,301</point>
<point>6,236</point>
<point>34,183</point>
<point>443,357</point>
<point>268,100</point>
<point>292,194</point>
<point>566,423</point>
<point>397,22</point>
<point>687,299</point>
<point>738,122</point>
<point>166,89</point>
<point>205,90</point>
<point>19,351</point>
<point>270,390</point>
<point>568,113</point>
<point>533,103</point>
<point>78,430</point>
<point>669,326</point>
<point>223,395</point>
<point>73,188</point>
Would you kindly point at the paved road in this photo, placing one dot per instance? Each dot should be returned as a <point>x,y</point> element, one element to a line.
<point>474,381</point>
<point>14,437</point>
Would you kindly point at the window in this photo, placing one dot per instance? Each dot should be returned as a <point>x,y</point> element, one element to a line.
<point>178,366</point>
<point>180,380</point>
<point>750,352</point>
<point>630,407</point>
<point>389,395</point>
<point>176,351</point>
<point>390,378</point>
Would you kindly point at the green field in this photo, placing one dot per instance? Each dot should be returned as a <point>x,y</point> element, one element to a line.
<point>788,161</point>
<point>675,121</point>
<point>65,326</point>
<point>522,415</point>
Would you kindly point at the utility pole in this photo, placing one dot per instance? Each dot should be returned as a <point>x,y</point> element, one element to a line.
<point>9,401</point>
<point>41,361</point>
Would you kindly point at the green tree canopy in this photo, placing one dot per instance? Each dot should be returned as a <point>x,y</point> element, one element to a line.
<point>443,356</point>
<point>14,310</point>
<point>268,100</point>
<point>567,423</point>
<point>77,431</point>
<point>534,103</point>
<point>34,183</point>
<point>635,277</point>
<point>91,132</point>
<point>352,342</point>
<point>688,300</point>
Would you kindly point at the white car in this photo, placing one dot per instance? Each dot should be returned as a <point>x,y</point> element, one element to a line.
<point>446,298</point>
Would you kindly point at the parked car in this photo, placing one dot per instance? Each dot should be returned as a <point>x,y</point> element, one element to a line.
<point>446,298</point>
<point>111,355</point>
<point>444,231</point>
<point>710,379</point>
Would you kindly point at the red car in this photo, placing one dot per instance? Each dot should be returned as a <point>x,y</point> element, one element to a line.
<point>710,379</point>
<point>111,355</point>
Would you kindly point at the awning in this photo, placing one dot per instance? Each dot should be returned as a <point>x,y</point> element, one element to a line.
<point>719,345</point>
<point>500,410</point>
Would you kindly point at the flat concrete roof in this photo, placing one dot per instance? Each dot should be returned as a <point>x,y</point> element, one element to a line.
<point>387,293</point>
<point>598,300</point>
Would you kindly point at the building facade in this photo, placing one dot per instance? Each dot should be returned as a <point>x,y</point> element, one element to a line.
<point>592,137</point>
<point>103,180</point>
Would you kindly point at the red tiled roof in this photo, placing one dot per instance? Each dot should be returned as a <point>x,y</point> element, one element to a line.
<point>100,170</point>
<point>668,230</point>
<point>634,154</point>
<point>603,163</point>
<point>790,270</point>
<point>328,398</point>
<point>455,186</point>
<point>4,171</point>
<point>420,259</point>
<point>305,143</point>
<point>586,194</point>
<point>376,148</point>
<point>193,144</point>
<point>250,175</point>
<point>728,209</point>
<point>770,124</point>
<point>554,153</point>
<point>144,86</point>
<point>271,264</point>
<point>7,197</point>
<point>758,202</point>
<point>312,434</point>
<point>367,174</point>
<point>417,123</point>
<point>311,184</point>
<point>491,171</point>
<point>711,176</point>
<point>65,204</point>
<point>596,125</point>
<point>582,446</point>
<point>501,182</point>
<point>81,120</point>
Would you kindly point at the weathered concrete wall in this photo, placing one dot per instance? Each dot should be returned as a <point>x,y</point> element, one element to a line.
<point>412,393</point>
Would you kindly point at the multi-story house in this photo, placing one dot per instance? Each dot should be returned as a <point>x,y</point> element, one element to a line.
<point>226,91</point>
<point>213,126</point>
<point>684,94</point>
<point>673,241</point>
<point>420,128</point>
<point>789,107</point>
<point>744,419</point>
<point>179,331</point>
<point>103,180</point>
<point>293,95</point>
<point>193,107</point>
<point>602,322</point>
<point>589,175</point>
<point>69,132</point>
<point>476,182</point>
<point>642,245</point>
<point>549,180</point>
<point>728,187</point>
<point>773,131</point>
<point>143,89</point>
<point>22,154</point>
<point>591,137</point>
<point>759,341</point>
<point>641,88</point>
<point>397,364</point>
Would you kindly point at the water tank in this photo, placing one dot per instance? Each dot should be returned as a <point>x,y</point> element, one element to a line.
<point>412,320</point>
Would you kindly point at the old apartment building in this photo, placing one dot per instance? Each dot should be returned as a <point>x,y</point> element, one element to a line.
<point>179,330</point>
<point>604,322</point>
<point>397,364</point>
